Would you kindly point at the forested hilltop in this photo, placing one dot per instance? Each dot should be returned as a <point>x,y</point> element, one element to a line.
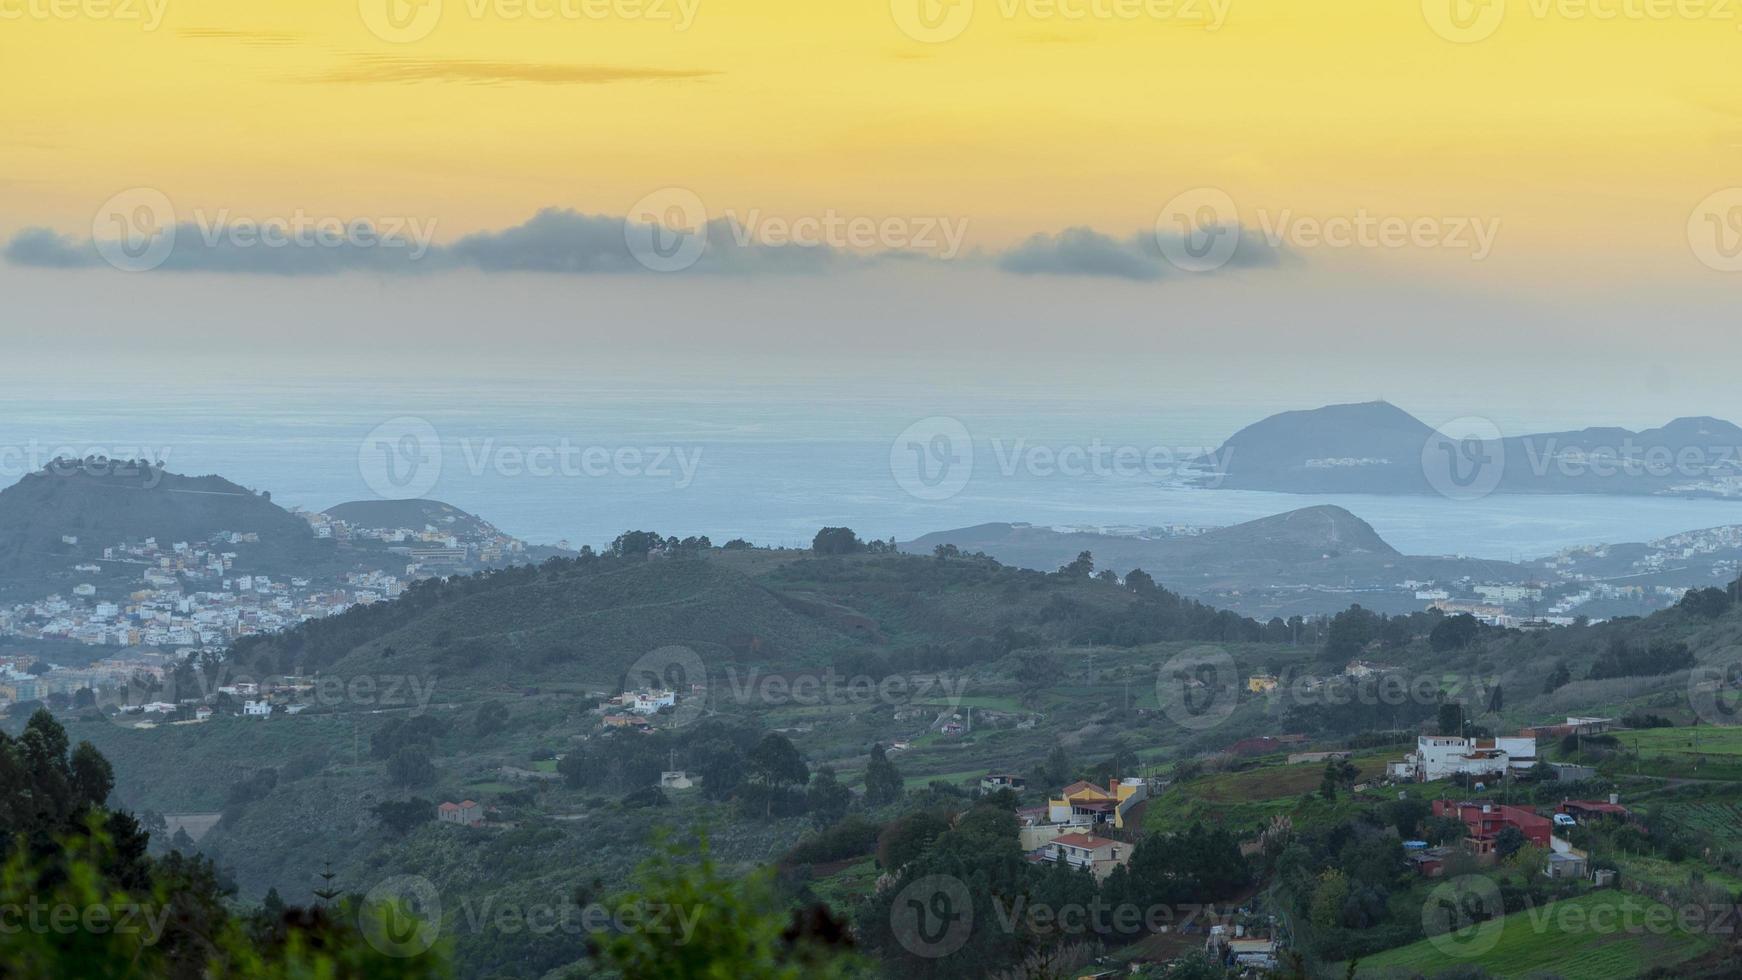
<point>834,716</point>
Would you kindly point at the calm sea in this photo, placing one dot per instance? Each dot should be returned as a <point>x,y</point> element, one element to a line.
<point>557,459</point>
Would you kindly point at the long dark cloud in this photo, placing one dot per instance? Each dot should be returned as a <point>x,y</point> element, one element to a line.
<point>559,240</point>
<point>567,242</point>
<point>1140,257</point>
<point>44,248</point>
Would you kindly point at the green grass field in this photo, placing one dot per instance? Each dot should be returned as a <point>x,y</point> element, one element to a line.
<point>1700,740</point>
<point>1670,873</point>
<point>1274,782</point>
<point>1705,751</point>
<point>1605,935</point>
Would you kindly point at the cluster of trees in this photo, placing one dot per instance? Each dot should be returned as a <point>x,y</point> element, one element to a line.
<point>167,916</point>
<point>172,916</point>
<point>636,545</point>
<point>763,774</point>
<point>408,745</point>
<point>1710,603</point>
<point>1624,659</point>
<point>1338,882</point>
<point>1350,632</point>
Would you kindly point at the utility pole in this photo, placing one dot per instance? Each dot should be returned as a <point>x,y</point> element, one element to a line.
<point>326,893</point>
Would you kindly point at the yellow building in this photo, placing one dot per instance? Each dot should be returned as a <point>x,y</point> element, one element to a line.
<point>1085,804</point>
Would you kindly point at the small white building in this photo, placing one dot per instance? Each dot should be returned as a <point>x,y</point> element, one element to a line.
<point>649,702</point>
<point>676,779</point>
<point>256,709</point>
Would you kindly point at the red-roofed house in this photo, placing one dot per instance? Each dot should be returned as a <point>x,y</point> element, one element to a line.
<point>1486,820</point>
<point>466,813</point>
<point>1582,810</point>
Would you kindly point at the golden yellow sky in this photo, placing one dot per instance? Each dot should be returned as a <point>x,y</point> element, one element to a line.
<point>1590,138</point>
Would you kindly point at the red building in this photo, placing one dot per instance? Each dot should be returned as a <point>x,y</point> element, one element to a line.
<point>1583,810</point>
<point>1486,820</point>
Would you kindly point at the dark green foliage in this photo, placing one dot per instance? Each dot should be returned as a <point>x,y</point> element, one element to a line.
<point>403,816</point>
<point>490,718</point>
<point>644,797</point>
<point>411,766</point>
<point>851,838</point>
<point>906,837</point>
<point>826,798</point>
<point>836,541</point>
<point>1625,659</point>
<point>1709,603</point>
<point>883,782</point>
<point>1455,633</point>
<point>419,731</point>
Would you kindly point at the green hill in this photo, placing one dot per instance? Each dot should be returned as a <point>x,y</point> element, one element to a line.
<point>413,514</point>
<point>72,509</point>
<point>1604,935</point>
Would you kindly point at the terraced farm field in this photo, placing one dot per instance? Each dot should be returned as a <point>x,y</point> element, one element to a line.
<point>1605,935</point>
<point>1722,822</point>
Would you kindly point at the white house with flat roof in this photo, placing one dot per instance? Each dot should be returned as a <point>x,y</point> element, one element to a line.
<point>1442,756</point>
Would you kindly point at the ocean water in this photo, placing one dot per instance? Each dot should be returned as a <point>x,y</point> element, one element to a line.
<point>580,460</point>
